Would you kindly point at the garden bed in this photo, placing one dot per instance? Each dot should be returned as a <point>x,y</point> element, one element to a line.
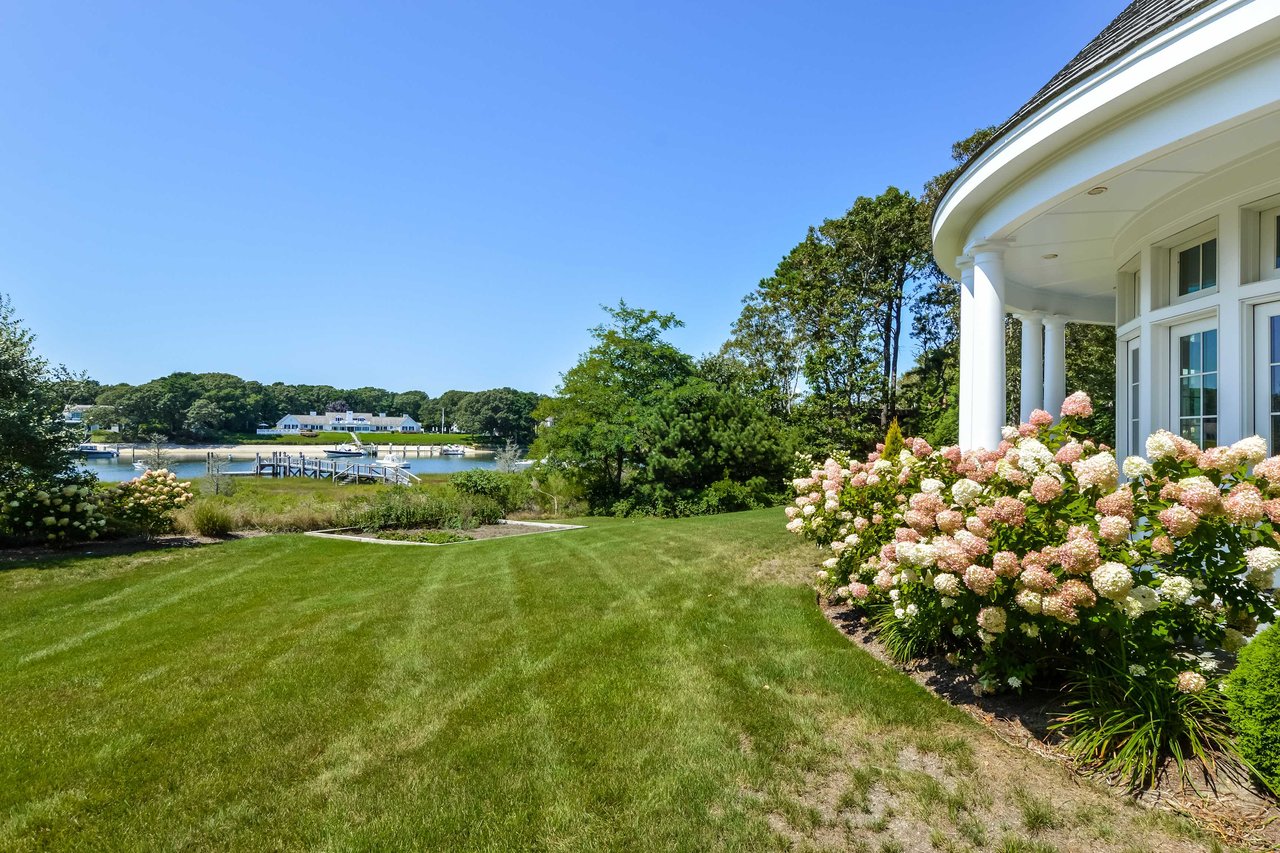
<point>423,536</point>
<point>1239,815</point>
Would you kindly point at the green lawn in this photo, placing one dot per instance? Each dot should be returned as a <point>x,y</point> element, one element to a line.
<point>641,685</point>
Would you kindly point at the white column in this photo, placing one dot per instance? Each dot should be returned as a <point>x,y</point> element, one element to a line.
<point>1055,363</point>
<point>987,353</point>
<point>965,263</point>
<point>1032,364</point>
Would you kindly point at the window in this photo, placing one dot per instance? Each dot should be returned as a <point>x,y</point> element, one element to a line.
<point>1271,243</point>
<point>1196,267</point>
<point>1196,355</point>
<point>1266,373</point>
<point>1135,430</point>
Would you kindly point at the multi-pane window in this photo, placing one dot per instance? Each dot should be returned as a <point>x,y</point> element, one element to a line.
<point>1135,435</point>
<point>1198,267</point>
<point>1198,387</point>
<point>1273,378</point>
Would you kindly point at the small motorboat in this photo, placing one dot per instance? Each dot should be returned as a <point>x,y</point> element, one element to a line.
<point>139,465</point>
<point>345,450</point>
<point>453,450</point>
<point>93,451</point>
<point>392,460</point>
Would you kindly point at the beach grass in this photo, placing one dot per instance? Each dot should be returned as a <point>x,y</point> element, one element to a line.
<point>636,685</point>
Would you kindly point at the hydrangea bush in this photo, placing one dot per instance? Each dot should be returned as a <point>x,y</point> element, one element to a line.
<point>148,502</point>
<point>55,513</point>
<point>1032,560</point>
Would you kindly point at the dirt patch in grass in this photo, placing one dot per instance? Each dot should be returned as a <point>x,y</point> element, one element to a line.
<point>1043,807</point>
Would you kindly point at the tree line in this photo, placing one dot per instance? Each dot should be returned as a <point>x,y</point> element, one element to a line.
<point>207,406</point>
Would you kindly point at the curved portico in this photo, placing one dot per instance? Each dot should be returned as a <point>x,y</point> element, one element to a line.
<point>1139,189</point>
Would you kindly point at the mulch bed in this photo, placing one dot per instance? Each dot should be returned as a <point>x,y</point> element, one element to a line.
<point>1238,814</point>
<point>484,531</point>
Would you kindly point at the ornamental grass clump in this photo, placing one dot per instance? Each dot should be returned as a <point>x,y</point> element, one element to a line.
<point>1032,564</point>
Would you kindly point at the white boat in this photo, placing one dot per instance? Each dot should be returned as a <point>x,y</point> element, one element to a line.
<point>139,465</point>
<point>344,450</point>
<point>93,451</point>
<point>391,460</point>
<point>453,450</point>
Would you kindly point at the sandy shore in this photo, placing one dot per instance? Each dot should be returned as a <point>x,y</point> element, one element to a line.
<point>191,453</point>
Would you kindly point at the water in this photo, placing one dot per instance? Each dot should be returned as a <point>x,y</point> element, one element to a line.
<point>118,470</point>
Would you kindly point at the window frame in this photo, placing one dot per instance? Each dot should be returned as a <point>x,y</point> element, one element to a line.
<point>1175,266</point>
<point>1269,254</point>
<point>1176,334</point>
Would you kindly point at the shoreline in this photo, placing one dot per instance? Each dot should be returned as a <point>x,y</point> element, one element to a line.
<point>198,453</point>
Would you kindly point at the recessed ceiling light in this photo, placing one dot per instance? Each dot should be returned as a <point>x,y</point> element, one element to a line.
<point>1097,191</point>
<point>1050,256</point>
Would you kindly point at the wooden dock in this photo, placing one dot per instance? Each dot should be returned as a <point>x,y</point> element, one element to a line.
<point>281,464</point>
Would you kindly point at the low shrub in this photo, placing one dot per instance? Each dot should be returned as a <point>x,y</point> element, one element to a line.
<point>1021,561</point>
<point>212,519</point>
<point>55,512</point>
<point>432,537</point>
<point>404,507</point>
<point>510,490</point>
<point>1253,701</point>
<point>147,503</point>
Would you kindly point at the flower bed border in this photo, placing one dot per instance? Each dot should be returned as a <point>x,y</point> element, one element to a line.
<point>337,533</point>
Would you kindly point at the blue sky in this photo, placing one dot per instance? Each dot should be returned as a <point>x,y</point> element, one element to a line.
<point>440,195</point>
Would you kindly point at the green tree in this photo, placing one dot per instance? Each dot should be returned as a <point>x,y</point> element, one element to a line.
<point>503,413</point>
<point>36,445</point>
<point>594,419</point>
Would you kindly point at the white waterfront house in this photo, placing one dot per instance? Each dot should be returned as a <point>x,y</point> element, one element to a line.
<point>1140,188</point>
<point>342,422</point>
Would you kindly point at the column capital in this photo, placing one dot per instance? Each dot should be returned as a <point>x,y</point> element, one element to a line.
<point>1028,316</point>
<point>1054,321</point>
<point>987,246</point>
<point>964,262</point>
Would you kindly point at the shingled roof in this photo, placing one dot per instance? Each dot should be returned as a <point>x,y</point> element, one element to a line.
<point>1139,21</point>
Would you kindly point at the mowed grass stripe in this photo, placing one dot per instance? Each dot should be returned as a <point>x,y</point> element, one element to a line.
<point>602,688</point>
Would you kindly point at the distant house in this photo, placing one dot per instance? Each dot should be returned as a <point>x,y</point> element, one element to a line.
<point>342,422</point>
<point>76,415</point>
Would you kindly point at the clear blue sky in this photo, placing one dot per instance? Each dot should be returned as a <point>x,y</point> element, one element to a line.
<point>459,185</point>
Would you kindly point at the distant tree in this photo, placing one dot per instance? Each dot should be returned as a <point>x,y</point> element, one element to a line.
<point>500,413</point>
<point>766,339</point>
<point>36,444</point>
<point>204,419</point>
<point>337,406</point>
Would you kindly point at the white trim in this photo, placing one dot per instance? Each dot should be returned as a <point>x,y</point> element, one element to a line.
<point>1261,371</point>
<point>1269,257</point>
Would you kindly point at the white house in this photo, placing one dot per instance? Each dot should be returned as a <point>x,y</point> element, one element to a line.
<point>1140,188</point>
<point>343,422</point>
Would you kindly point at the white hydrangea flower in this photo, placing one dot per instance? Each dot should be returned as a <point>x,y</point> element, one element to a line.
<point>1033,456</point>
<point>1175,589</point>
<point>1137,468</point>
<point>965,491</point>
<point>1141,599</point>
<point>931,485</point>
<point>947,584</point>
<point>1160,445</point>
<point>1009,433</point>
<point>1113,581</point>
<point>1252,449</point>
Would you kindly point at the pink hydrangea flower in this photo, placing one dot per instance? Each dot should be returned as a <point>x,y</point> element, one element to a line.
<point>1269,470</point>
<point>1045,488</point>
<point>1244,504</point>
<point>1037,579</point>
<point>1040,418</point>
<point>1005,564</point>
<point>980,579</point>
<point>950,520</point>
<point>1162,545</point>
<point>1057,606</point>
<point>1078,405</point>
<point>1010,511</point>
<point>1077,594</point>
<point>1079,556</point>
<point>1113,529</point>
<point>1119,502</point>
<point>1200,495</point>
<point>1179,520</point>
<point>1069,453</point>
<point>859,591</point>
